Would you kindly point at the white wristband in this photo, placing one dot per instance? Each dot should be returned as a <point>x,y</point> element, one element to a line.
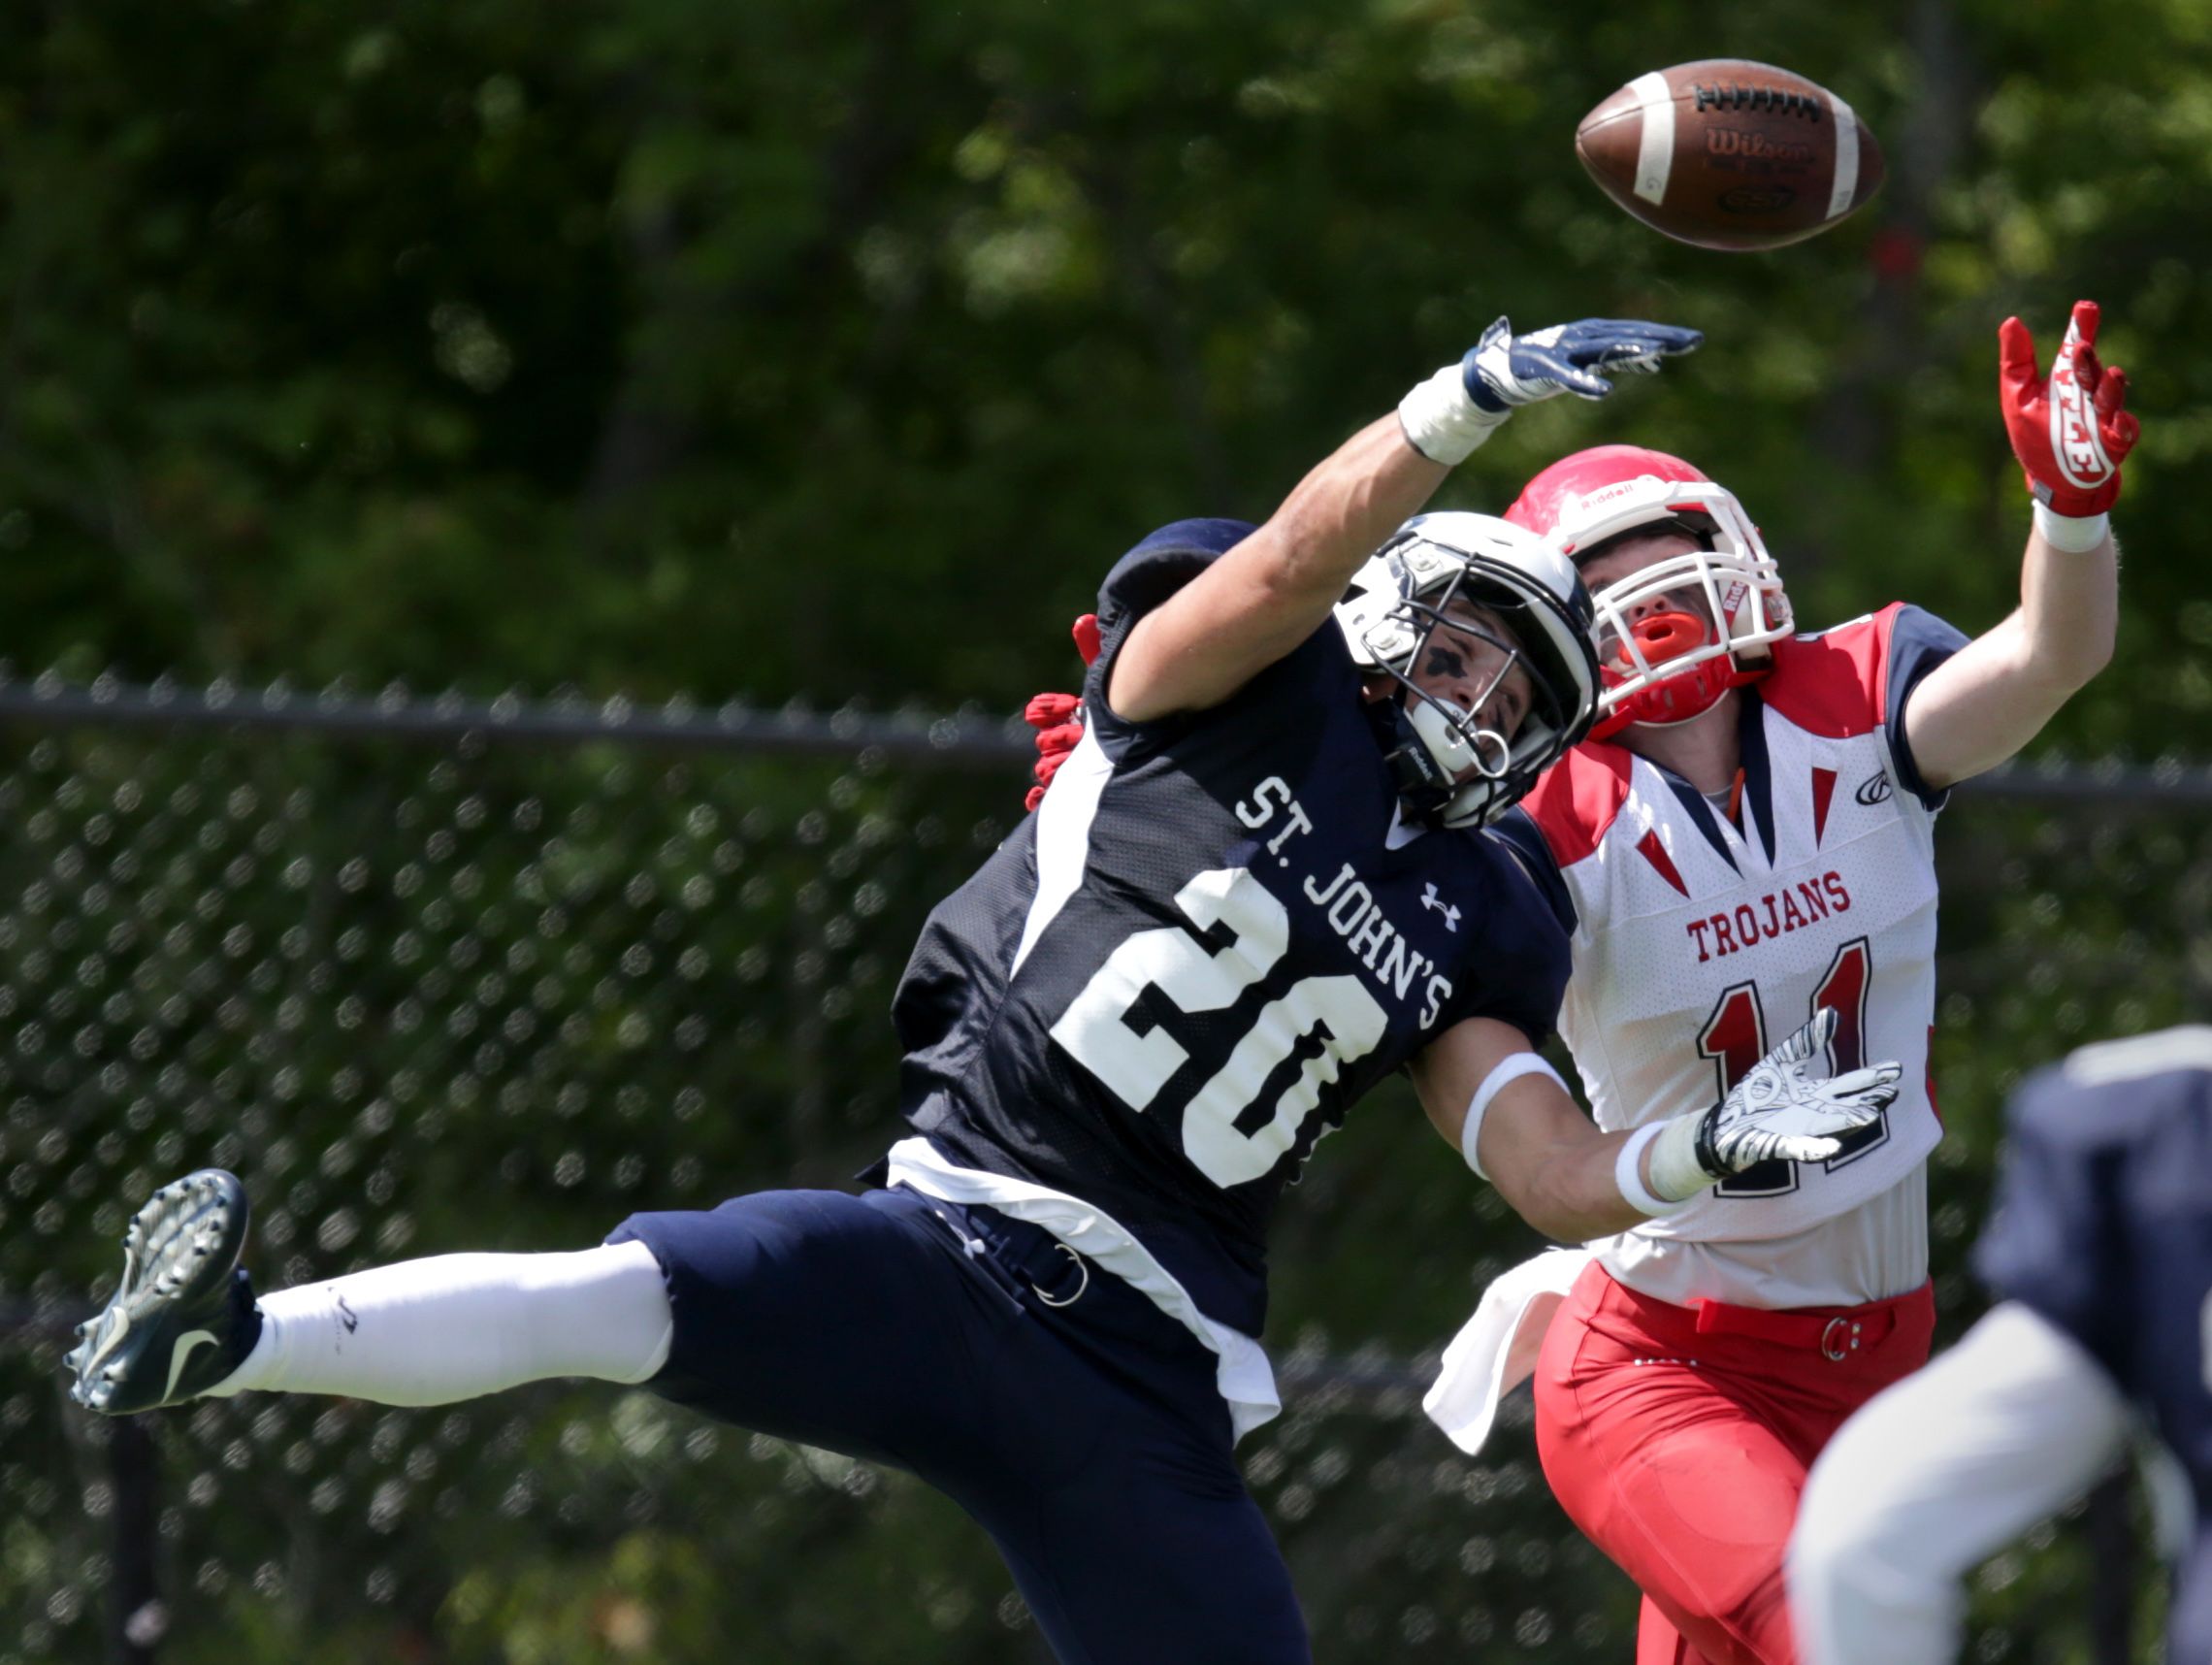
<point>2077,535</point>
<point>1676,1174</point>
<point>1440,420</point>
<point>1520,1063</point>
<point>1628,1172</point>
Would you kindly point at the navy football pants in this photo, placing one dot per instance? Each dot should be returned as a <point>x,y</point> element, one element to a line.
<point>1089,1440</point>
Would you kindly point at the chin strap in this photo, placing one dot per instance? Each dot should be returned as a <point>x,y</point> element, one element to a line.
<point>1422,786</point>
<point>1665,710</point>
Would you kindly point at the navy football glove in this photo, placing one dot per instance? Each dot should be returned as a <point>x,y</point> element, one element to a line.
<point>1506,371</point>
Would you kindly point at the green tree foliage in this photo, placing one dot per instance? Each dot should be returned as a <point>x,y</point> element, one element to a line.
<point>835,349</point>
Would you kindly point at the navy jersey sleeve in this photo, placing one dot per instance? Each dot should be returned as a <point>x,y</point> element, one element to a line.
<point>1159,566</point>
<point>2052,1243</point>
<point>1146,577</point>
<point>1518,832</point>
<point>1919,641</point>
<point>1520,975</point>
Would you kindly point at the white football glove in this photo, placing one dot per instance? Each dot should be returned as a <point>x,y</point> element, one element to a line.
<point>1779,1110</point>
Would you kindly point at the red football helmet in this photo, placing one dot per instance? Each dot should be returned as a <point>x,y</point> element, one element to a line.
<point>1674,637</point>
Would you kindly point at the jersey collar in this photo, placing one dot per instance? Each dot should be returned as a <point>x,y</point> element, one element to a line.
<point>1758,785</point>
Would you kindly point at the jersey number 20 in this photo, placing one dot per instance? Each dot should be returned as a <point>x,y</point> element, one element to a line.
<point>1734,1039</point>
<point>1241,930</point>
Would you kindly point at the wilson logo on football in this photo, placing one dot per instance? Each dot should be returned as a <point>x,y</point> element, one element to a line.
<point>1738,141</point>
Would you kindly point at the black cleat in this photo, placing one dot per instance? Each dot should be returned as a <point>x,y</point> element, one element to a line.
<point>182,1320</point>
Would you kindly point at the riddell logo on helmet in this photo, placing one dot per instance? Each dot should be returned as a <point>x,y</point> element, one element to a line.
<point>1732,598</point>
<point>1574,502</point>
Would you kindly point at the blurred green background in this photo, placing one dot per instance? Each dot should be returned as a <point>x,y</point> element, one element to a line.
<point>836,347</point>
<point>830,351</point>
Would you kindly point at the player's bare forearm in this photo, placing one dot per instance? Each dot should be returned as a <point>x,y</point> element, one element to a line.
<point>2070,432</point>
<point>1553,1168</point>
<point>1994,696</point>
<point>1276,588</point>
<point>1519,1127</point>
<point>1534,1142</point>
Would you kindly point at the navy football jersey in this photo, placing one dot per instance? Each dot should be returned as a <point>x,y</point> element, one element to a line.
<point>1212,937</point>
<point>2103,1226</point>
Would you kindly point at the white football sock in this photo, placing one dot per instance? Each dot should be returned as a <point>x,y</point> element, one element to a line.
<point>456,1326</point>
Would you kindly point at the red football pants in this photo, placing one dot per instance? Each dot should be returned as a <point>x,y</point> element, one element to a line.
<point>1677,1439</point>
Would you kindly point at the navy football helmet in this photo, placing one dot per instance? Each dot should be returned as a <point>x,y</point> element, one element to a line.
<point>1457,767</point>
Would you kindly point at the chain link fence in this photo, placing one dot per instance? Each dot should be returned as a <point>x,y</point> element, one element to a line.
<point>435,976</point>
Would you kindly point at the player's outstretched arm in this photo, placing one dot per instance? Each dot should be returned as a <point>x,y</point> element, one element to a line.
<point>2070,434</point>
<point>1934,1476</point>
<point>1271,590</point>
<point>1511,1116</point>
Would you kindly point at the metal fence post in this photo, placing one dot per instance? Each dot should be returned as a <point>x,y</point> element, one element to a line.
<point>2113,1573</point>
<point>138,1620</point>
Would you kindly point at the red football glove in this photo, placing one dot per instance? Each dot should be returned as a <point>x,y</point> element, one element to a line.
<point>1057,718</point>
<point>2071,432</point>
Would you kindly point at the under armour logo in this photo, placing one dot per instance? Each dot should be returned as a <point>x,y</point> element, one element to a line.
<point>347,1317</point>
<point>1873,790</point>
<point>1429,898</point>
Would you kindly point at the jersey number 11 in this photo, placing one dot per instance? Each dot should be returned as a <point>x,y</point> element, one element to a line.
<point>1734,1039</point>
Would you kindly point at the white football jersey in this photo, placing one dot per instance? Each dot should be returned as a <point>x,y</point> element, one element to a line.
<point>1700,941</point>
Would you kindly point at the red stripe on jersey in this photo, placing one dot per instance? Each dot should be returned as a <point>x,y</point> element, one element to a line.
<point>1834,684</point>
<point>1575,800</point>
<point>1654,852</point>
<point>1823,789</point>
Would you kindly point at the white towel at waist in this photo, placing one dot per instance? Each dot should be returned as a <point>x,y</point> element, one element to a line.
<point>1496,1351</point>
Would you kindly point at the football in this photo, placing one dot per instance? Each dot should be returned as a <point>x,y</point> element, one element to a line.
<point>1727,153</point>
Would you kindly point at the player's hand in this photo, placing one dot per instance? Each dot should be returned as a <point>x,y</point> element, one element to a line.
<point>1057,718</point>
<point>1506,371</point>
<point>1782,1109</point>
<point>2071,432</point>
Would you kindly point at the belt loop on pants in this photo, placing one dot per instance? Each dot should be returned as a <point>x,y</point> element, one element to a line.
<point>1013,1253</point>
<point>1834,1336</point>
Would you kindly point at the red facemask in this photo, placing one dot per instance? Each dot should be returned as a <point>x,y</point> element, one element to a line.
<point>1672,699</point>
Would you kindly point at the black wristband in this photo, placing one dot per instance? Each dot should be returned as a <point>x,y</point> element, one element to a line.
<point>1708,1159</point>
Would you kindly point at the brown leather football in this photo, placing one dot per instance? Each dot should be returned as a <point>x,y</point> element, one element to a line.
<point>1727,153</point>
